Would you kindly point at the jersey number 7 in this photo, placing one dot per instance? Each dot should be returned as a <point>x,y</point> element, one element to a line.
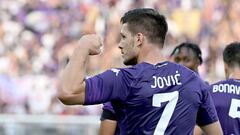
<point>172,98</point>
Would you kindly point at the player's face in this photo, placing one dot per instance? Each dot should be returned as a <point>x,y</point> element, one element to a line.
<point>187,58</point>
<point>129,49</point>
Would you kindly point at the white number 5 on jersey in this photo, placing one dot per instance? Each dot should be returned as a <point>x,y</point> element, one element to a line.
<point>234,110</point>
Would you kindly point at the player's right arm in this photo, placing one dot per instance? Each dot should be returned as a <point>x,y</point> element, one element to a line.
<point>101,88</point>
<point>72,82</point>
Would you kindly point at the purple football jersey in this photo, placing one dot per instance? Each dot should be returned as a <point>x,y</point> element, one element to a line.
<point>226,97</point>
<point>161,99</point>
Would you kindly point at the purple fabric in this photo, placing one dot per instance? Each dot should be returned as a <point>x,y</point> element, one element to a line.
<point>140,94</point>
<point>226,97</point>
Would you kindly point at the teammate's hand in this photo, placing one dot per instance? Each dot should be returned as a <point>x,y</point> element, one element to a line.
<point>91,42</point>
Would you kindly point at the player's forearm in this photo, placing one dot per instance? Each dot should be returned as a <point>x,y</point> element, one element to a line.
<point>72,77</point>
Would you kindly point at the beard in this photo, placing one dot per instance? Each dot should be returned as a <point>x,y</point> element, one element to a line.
<point>130,62</point>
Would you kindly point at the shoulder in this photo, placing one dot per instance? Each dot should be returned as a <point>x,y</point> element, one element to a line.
<point>187,76</point>
<point>218,83</point>
<point>132,71</point>
<point>222,82</point>
<point>180,68</point>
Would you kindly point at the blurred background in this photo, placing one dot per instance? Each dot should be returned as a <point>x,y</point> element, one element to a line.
<point>36,38</point>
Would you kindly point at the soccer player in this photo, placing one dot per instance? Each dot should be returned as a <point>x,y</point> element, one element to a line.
<point>226,93</point>
<point>153,97</point>
<point>187,54</point>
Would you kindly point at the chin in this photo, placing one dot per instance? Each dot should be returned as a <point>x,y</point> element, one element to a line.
<point>130,62</point>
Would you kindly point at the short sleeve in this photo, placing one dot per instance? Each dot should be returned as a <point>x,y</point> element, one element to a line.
<point>110,85</point>
<point>207,112</point>
<point>108,112</point>
<point>108,106</point>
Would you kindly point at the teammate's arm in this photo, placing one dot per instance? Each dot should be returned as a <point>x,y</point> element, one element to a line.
<point>212,129</point>
<point>108,120</point>
<point>197,131</point>
<point>107,127</point>
<point>72,84</point>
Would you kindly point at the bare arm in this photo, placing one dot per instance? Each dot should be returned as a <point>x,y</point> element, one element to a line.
<point>108,127</point>
<point>108,120</point>
<point>197,130</point>
<point>72,84</point>
<point>213,129</point>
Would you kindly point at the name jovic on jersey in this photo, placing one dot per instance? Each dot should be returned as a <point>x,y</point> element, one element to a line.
<point>164,81</point>
<point>161,99</point>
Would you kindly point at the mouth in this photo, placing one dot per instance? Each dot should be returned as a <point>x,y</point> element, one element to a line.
<point>122,55</point>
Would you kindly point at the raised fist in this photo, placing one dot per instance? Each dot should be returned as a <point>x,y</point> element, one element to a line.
<point>92,43</point>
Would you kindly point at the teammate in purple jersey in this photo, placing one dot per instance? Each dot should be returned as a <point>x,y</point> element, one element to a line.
<point>187,54</point>
<point>226,93</point>
<point>151,98</point>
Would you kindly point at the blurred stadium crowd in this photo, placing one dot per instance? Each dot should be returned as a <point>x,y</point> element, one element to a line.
<point>36,39</point>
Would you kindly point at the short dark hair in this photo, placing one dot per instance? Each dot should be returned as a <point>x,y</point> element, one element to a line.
<point>147,21</point>
<point>194,47</point>
<point>231,54</point>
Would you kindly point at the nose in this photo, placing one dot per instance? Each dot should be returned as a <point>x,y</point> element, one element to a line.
<point>120,46</point>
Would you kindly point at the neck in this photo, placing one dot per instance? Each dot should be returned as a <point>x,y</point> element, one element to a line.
<point>151,54</point>
<point>196,69</point>
<point>235,74</point>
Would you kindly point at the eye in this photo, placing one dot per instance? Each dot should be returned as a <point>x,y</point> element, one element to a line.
<point>122,36</point>
<point>177,59</point>
<point>187,60</point>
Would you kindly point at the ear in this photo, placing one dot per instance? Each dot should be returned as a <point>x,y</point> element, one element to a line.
<point>139,39</point>
<point>227,70</point>
<point>198,62</point>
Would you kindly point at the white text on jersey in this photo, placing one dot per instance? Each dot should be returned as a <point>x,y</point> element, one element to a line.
<point>162,81</point>
<point>226,88</point>
<point>115,71</point>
